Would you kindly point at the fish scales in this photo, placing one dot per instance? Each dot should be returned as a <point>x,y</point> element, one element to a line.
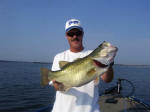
<point>83,70</point>
<point>76,68</point>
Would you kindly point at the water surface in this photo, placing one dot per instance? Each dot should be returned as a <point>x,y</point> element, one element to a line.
<point>20,89</point>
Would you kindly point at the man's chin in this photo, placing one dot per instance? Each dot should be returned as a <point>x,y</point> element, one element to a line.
<point>76,44</point>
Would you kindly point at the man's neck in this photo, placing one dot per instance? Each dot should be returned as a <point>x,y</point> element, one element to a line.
<point>75,50</point>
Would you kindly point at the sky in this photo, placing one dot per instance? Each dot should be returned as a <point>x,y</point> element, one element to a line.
<point>34,30</point>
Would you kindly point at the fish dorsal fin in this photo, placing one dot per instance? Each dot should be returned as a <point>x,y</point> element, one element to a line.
<point>77,59</point>
<point>63,63</point>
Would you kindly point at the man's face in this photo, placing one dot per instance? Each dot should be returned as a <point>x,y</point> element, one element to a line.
<point>74,38</point>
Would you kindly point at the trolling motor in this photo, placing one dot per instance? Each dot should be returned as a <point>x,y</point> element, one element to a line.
<point>123,88</point>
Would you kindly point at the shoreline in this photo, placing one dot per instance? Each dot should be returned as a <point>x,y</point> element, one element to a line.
<point>6,61</point>
<point>51,63</point>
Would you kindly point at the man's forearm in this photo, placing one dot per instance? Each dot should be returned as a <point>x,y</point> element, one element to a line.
<point>108,76</point>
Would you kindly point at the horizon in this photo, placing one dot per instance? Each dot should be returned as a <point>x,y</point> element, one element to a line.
<point>34,31</point>
<point>52,62</point>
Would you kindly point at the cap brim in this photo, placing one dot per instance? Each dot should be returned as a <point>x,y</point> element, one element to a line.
<point>80,28</point>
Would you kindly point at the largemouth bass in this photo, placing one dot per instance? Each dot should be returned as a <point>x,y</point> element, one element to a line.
<point>83,70</point>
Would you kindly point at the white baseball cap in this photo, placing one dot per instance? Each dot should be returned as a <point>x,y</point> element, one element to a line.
<point>73,23</point>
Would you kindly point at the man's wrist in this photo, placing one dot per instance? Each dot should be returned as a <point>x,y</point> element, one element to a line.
<point>111,64</point>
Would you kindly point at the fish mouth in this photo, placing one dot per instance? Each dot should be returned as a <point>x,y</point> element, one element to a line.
<point>99,64</point>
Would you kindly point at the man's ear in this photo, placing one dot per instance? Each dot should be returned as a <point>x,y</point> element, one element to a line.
<point>82,33</point>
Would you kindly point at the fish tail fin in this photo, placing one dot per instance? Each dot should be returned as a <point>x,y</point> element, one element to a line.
<point>44,76</point>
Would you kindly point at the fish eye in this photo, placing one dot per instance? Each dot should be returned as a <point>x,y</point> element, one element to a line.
<point>107,44</point>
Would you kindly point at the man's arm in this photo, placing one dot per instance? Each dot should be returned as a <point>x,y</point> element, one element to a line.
<point>108,76</point>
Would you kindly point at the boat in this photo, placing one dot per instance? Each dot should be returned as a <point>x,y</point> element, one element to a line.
<point>118,99</point>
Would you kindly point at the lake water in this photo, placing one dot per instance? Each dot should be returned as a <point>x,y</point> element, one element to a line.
<point>20,89</point>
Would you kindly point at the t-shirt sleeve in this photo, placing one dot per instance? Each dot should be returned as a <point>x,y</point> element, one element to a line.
<point>55,65</point>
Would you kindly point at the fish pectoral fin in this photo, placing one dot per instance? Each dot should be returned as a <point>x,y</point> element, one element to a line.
<point>96,81</point>
<point>44,76</point>
<point>61,87</point>
<point>63,63</point>
<point>91,72</point>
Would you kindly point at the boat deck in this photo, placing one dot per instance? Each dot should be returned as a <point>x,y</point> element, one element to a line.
<point>120,104</point>
<point>110,103</point>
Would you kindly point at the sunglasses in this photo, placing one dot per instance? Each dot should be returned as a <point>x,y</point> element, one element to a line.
<point>71,34</point>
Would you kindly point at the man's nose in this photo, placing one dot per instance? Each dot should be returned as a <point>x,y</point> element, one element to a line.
<point>74,36</point>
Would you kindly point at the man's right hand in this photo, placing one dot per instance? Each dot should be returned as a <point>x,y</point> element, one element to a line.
<point>58,86</point>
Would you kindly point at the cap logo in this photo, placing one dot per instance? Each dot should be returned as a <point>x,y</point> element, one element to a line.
<point>73,22</point>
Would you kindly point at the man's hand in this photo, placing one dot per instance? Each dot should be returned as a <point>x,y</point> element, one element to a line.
<point>108,76</point>
<point>58,86</point>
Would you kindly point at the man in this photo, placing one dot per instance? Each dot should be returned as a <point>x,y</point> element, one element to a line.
<point>77,99</point>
